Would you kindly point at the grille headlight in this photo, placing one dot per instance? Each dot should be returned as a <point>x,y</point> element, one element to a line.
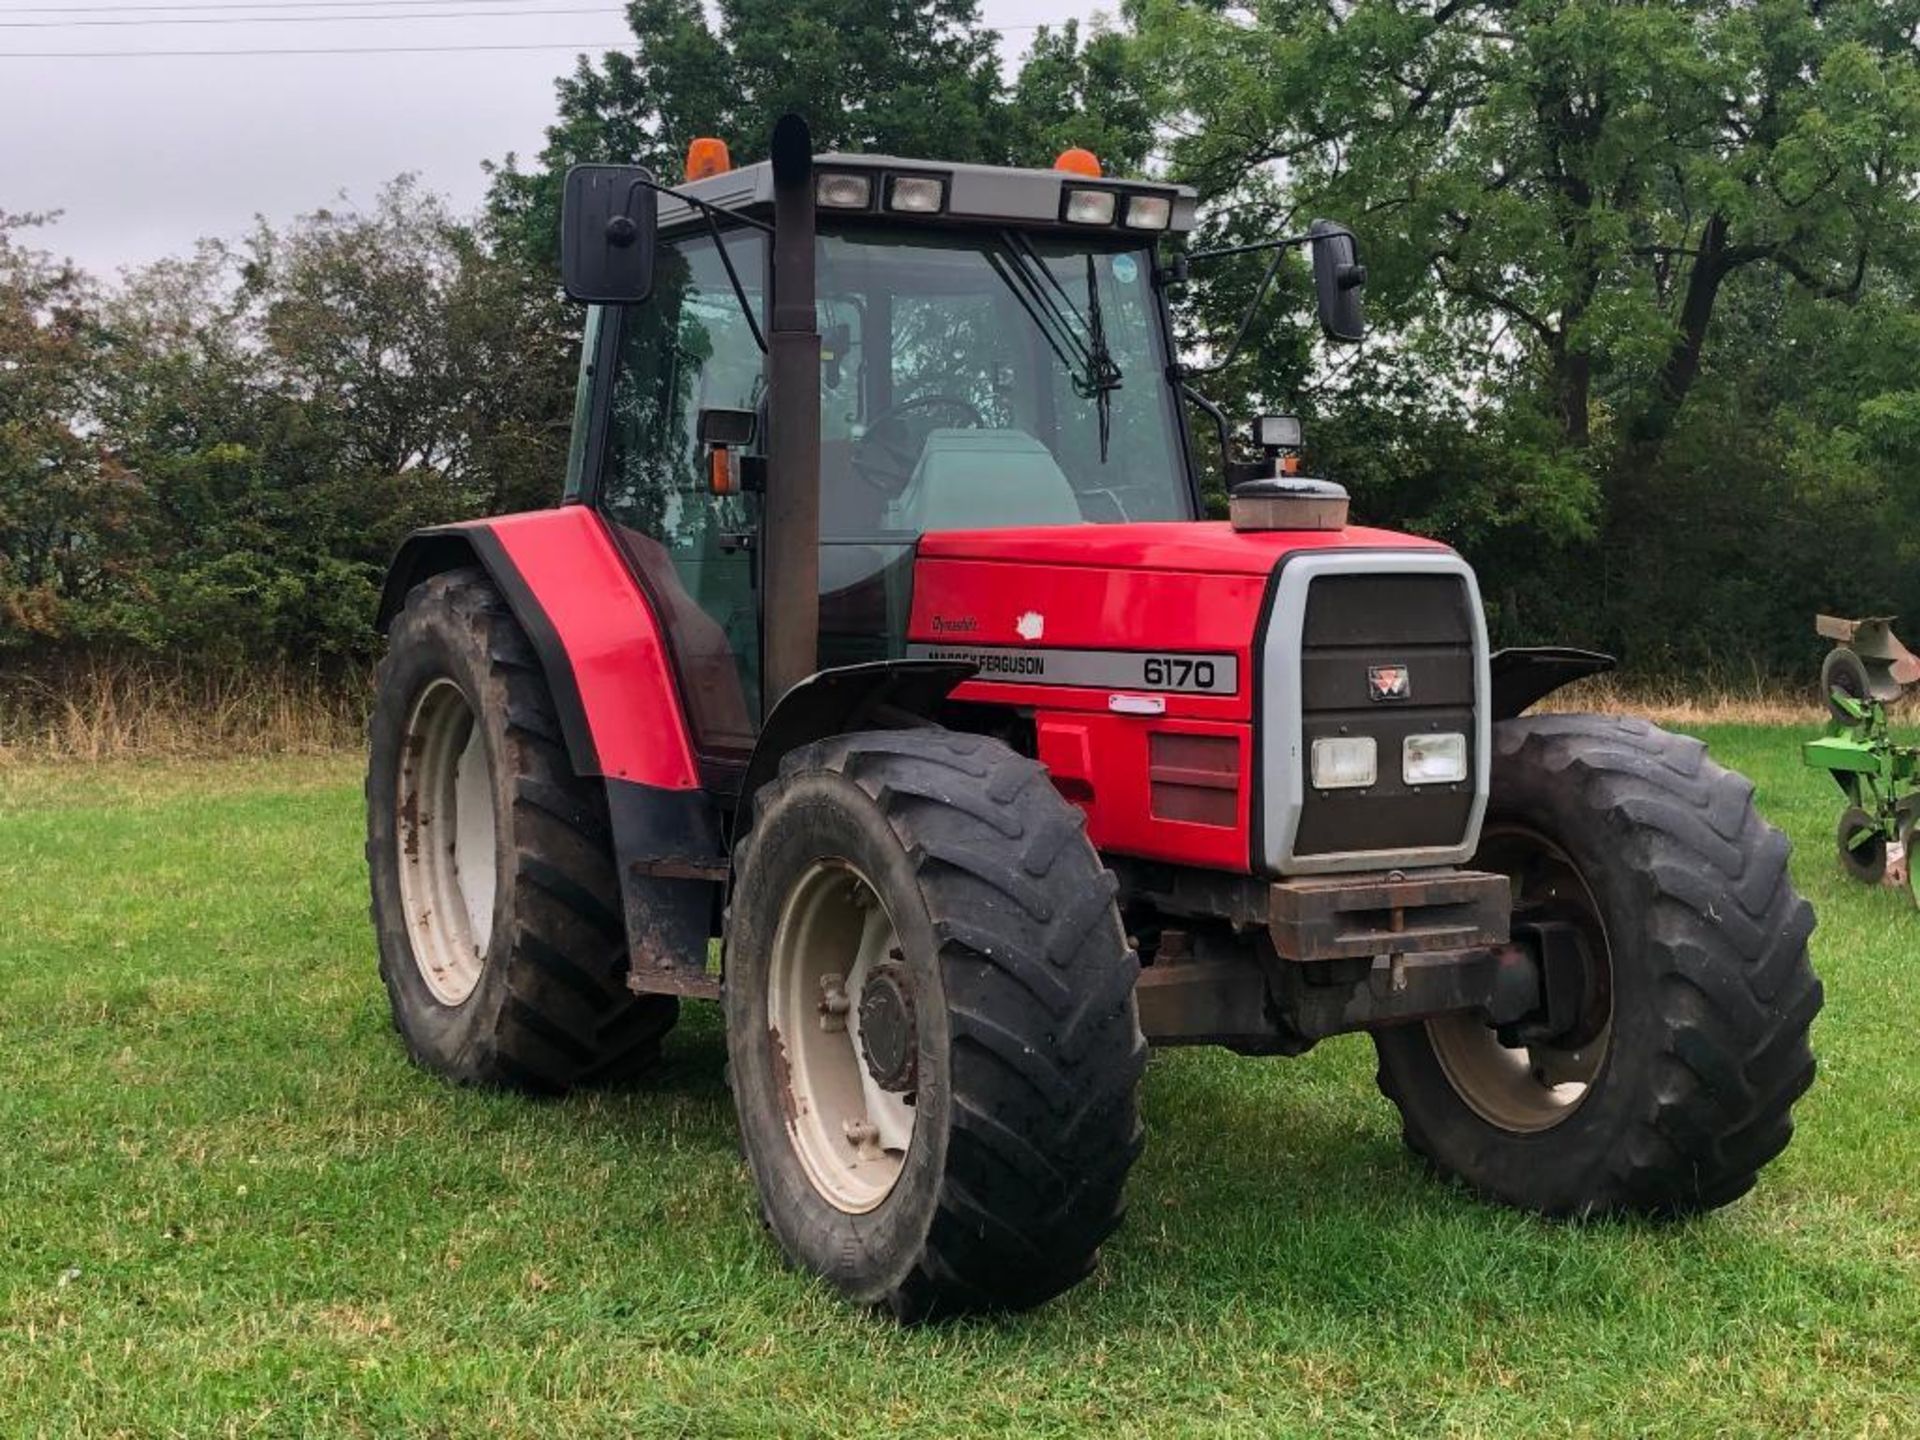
<point>916,194</point>
<point>1149,212</point>
<point>842,192</point>
<point>1433,759</point>
<point>1091,207</point>
<point>1344,762</point>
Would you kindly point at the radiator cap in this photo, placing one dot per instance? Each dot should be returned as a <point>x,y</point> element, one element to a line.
<point>1288,502</point>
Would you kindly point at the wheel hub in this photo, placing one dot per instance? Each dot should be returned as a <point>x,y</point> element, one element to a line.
<point>840,1013</point>
<point>889,1042</point>
<point>1573,987</point>
<point>1532,1076</point>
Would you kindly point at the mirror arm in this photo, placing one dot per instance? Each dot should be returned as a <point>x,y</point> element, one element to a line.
<point>739,290</point>
<point>1253,308</point>
<point>1278,242</point>
<point>1218,416</point>
<point>710,211</point>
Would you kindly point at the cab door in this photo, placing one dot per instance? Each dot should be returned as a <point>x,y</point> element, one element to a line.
<point>690,348</point>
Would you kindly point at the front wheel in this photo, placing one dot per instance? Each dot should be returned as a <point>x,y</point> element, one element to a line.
<point>1674,1082</point>
<point>931,1024</point>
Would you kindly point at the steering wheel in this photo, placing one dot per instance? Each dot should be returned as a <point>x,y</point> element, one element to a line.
<point>885,456</point>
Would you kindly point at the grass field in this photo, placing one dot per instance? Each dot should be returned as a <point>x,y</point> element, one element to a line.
<point>229,1206</point>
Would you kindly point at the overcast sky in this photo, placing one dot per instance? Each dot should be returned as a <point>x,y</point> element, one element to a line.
<point>144,155</point>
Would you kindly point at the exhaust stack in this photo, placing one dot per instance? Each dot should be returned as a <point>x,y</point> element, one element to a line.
<point>790,520</point>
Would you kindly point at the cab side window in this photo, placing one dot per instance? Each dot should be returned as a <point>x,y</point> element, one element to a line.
<point>687,349</point>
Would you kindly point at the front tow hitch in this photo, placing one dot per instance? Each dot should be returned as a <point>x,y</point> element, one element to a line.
<point>1365,952</point>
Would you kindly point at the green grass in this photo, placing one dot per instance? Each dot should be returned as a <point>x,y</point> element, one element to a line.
<point>229,1206</point>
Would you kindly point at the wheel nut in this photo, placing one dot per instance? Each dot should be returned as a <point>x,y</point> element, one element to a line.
<point>834,1003</point>
<point>864,1136</point>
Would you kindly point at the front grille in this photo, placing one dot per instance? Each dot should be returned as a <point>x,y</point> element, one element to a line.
<point>1366,625</point>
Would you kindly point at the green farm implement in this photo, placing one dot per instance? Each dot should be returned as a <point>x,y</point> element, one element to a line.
<point>1868,670</point>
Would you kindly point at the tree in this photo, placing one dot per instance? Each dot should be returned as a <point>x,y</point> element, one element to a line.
<point>1088,92</point>
<point>57,488</point>
<point>896,77</point>
<point>905,77</point>
<point>216,456</point>
<point>1568,184</point>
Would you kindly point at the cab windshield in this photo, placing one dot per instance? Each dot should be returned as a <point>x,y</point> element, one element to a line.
<point>986,380</point>
<point>968,380</point>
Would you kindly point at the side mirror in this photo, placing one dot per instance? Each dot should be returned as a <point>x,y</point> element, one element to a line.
<point>724,434</point>
<point>1338,279</point>
<point>731,428</point>
<point>608,224</point>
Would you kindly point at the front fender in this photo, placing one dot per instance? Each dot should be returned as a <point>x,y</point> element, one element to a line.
<point>877,695</point>
<point>1524,676</point>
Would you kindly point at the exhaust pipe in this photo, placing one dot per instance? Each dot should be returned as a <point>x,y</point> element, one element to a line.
<point>790,517</point>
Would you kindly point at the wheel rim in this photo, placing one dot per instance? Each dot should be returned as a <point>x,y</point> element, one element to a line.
<point>835,943</point>
<point>447,860</point>
<point>1528,1089</point>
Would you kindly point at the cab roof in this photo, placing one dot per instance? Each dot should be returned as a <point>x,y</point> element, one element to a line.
<point>973,195</point>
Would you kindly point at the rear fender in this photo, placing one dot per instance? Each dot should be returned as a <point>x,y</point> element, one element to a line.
<point>605,661</point>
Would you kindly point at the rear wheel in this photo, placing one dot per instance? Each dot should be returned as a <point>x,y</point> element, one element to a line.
<point>495,901</point>
<point>1671,1081</point>
<point>931,1024</point>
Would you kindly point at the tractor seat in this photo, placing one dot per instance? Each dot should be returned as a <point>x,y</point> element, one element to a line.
<point>984,480</point>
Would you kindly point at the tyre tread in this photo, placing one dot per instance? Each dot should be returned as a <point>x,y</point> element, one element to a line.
<point>1729,933</point>
<point>1046,1045</point>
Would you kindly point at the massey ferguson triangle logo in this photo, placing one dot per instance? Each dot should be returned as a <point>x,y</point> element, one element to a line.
<point>1388,682</point>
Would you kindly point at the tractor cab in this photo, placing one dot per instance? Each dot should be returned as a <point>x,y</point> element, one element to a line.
<point>971,375</point>
<point>993,352</point>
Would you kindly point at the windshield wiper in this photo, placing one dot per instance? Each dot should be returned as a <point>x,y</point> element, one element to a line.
<point>1090,365</point>
<point>1020,282</point>
<point>1103,375</point>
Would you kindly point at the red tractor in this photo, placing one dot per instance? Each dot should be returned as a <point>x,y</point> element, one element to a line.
<point>879,678</point>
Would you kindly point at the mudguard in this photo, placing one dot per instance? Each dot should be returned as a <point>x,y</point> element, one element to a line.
<point>592,626</point>
<point>1525,676</point>
<point>605,660</point>
<point>878,695</point>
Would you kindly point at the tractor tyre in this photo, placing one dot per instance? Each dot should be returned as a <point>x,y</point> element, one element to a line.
<point>1676,1080</point>
<point>495,899</point>
<point>933,1041</point>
